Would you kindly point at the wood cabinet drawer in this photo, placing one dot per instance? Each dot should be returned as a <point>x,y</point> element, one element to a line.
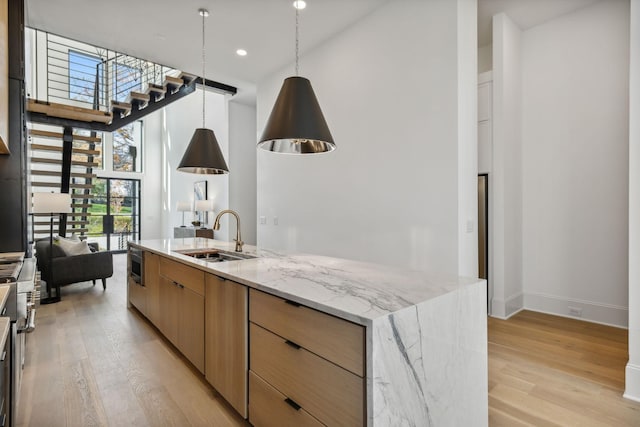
<point>190,277</point>
<point>269,408</point>
<point>330,393</point>
<point>335,339</point>
<point>138,296</point>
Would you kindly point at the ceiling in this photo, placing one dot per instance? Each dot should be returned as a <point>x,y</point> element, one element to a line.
<point>525,13</point>
<point>170,32</point>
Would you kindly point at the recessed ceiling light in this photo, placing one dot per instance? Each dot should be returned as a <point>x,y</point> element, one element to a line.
<point>299,4</point>
<point>241,52</point>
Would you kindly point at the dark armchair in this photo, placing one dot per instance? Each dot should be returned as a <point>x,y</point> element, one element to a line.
<point>73,269</point>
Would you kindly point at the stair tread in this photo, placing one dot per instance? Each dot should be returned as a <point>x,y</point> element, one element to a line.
<point>55,148</point>
<point>173,81</point>
<point>58,135</point>
<point>64,111</point>
<point>155,88</point>
<point>59,162</point>
<point>187,77</point>
<point>58,173</point>
<point>57,185</point>
<point>73,214</point>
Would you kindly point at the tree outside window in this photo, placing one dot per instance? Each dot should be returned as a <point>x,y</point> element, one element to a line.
<point>127,148</point>
<point>82,76</point>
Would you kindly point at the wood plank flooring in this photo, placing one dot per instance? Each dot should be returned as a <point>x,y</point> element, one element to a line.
<point>93,362</point>
<point>552,371</point>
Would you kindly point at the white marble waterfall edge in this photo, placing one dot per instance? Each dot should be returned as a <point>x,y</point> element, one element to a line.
<point>428,364</point>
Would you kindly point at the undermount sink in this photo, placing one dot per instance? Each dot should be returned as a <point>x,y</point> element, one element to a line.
<point>222,256</point>
<point>215,255</point>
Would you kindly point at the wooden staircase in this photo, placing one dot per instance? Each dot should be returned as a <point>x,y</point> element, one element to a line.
<point>58,130</point>
<point>136,106</point>
<point>48,147</point>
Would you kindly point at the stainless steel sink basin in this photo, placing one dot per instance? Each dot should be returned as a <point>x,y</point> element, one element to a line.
<point>223,256</point>
<point>215,255</point>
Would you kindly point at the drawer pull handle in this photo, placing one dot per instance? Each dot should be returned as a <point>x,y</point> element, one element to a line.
<point>293,303</point>
<point>4,356</point>
<point>292,344</point>
<point>293,404</point>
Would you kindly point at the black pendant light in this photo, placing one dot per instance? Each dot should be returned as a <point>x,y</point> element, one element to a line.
<point>296,124</point>
<point>203,155</point>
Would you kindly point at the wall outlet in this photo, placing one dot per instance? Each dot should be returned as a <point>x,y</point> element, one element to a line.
<point>263,220</point>
<point>275,220</point>
<point>575,311</point>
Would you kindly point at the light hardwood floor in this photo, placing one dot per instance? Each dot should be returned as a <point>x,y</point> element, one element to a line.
<point>93,362</point>
<point>548,370</point>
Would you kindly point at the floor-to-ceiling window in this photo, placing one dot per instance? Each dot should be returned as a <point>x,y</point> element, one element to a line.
<point>115,213</point>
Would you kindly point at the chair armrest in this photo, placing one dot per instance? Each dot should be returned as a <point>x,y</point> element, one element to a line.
<point>80,268</point>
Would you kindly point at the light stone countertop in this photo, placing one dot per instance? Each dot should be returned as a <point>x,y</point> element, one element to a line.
<point>352,290</point>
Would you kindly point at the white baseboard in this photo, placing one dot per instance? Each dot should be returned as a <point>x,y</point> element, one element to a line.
<point>632,382</point>
<point>605,314</point>
<point>504,309</point>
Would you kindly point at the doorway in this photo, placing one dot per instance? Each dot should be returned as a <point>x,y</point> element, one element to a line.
<point>115,213</point>
<point>483,229</point>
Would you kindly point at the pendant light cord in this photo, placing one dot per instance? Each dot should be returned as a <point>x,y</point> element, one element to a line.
<point>204,15</point>
<point>297,38</point>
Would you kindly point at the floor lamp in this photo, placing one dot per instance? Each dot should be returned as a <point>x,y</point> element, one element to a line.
<point>52,204</point>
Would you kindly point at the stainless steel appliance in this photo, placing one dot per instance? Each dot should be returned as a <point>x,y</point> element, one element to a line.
<point>20,275</point>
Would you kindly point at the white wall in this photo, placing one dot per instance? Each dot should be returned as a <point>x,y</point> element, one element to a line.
<point>388,87</point>
<point>505,241</point>
<point>575,167</point>
<point>632,380</point>
<point>151,212</point>
<point>179,120</point>
<point>242,167</point>
<point>485,58</point>
<point>467,138</point>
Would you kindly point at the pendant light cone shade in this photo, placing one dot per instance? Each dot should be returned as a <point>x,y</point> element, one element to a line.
<point>296,124</point>
<point>203,155</point>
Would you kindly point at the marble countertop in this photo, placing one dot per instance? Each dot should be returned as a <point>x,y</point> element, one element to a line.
<point>352,290</point>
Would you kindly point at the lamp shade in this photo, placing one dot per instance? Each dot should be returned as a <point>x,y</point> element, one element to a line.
<point>296,124</point>
<point>183,207</point>
<point>203,155</point>
<point>204,205</point>
<point>51,203</point>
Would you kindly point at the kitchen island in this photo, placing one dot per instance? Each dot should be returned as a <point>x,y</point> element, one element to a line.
<point>338,341</point>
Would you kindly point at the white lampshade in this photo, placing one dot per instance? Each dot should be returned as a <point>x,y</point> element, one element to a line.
<point>204,205</point>
<point>183,206</point>
<point>51,203</point>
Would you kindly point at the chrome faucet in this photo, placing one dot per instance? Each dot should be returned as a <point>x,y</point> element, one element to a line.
<point>216,226</point>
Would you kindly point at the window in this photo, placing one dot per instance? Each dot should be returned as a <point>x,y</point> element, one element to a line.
<point>126,79</point>
<point>127,148</point>
<point>82,76</point>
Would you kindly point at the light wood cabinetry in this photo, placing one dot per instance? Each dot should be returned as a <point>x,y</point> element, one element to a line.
<point>169,294</point>
<point>181,303</point>
<point>276,362</point>
<point>226,340</point>
<point>314,360</point>
<point>270,408</point>
<point>137,295</point>
<point>152,284</point>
